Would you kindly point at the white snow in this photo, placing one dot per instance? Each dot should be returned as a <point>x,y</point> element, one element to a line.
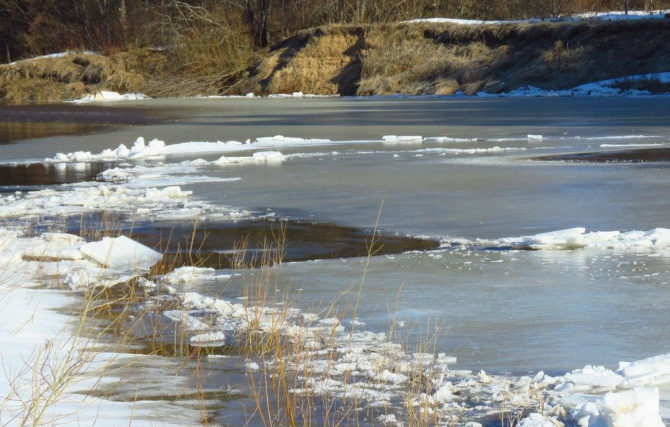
<point>108,96</point>
<point>593,16</point>
<point>37,345</point>
<point>538,420</point>
<point>53,55</point>
<point>599,88</point>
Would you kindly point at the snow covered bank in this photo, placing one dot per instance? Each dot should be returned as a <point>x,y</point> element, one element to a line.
<point>591,16</point>
<point>610,87</point>
<point>45,365</point>
<point>52,55</point>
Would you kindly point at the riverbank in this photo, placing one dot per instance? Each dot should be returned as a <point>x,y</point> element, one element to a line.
<point>424,57</point>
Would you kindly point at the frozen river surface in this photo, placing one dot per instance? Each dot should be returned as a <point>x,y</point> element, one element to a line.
<point>504,296</point>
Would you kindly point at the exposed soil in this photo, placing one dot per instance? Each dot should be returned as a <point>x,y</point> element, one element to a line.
<point>441,59</point>
<point>384,59</point>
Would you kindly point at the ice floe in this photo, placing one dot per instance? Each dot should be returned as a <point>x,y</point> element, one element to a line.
<point>121,252</point>
<point>142,203</point>
<point>656,240</point>
<point>108,96</point>
<point>156,149</point>
<point>402,139</point>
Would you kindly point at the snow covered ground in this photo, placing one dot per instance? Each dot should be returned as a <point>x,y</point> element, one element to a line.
<point>54,55</point>
<point>610,87</point>
<point>591,16</point>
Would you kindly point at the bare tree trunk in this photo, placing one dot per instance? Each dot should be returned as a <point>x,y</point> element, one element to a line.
<point>626,6</point>
<point>123,18</point>
<point>258,14</point>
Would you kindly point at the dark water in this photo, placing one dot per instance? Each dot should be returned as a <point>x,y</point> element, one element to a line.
<point>245,243</point>
<point>41,121</point>
<point>641,155</point>
<point>34,176</point>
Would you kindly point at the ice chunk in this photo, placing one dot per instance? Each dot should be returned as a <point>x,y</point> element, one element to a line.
<point>444,393</point>
<point>269,156</point>
<point>538,420</point>
<point>571,238</point>
<point>652,371</point>
<point>211,339</point>
<point>52,251</point>
<point>408,139</point>
<point>637,407</point>
<point>187,275</point>
<point>593,377</point>
<point>108,96</point>
<point>121,253</point>
<point>172,192</point>
<point>388,419</point>
<point>190,323</point>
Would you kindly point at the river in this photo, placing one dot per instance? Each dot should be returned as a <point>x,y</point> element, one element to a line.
<point>503,296</point>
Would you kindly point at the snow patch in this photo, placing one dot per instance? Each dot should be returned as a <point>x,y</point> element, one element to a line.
<point>599,88</point>
<point>592,16</point>
<point>108,96</point>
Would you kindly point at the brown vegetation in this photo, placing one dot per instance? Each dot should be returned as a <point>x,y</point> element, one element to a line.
<point>422,58</point>
<point>216,47</point>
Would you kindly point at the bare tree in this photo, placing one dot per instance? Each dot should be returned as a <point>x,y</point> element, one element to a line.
<point>258,15</point>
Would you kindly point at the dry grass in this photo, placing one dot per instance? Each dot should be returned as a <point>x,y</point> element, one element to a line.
<point>69,77</point>
<point>210,57</point>
<point>206,56</point>
<point>445,58</point>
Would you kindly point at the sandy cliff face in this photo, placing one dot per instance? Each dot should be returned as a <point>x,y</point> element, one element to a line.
<point>320,61</point>
<point>431,58</point>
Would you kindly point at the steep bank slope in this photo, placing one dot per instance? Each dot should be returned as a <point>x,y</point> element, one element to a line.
<point>404,58</point>
<point>443,58</point>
